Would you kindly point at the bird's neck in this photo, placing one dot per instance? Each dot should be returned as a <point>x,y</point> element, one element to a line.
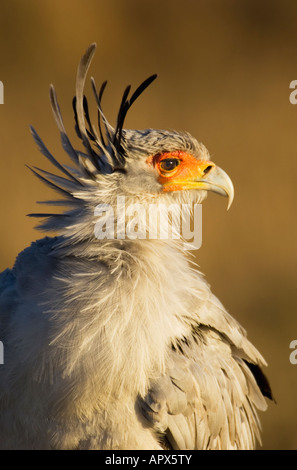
<point>132,303</point>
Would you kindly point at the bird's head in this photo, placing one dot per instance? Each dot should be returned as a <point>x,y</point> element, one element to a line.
<point>142,165</point>
<point>172,164</point>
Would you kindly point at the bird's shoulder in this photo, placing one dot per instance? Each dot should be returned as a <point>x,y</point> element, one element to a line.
<point>29,270</point>
<point>32,256</point>
<point>7,290</point>
<point>34,264</point>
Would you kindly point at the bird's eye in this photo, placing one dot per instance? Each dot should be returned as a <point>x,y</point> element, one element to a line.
<point>168,164</point>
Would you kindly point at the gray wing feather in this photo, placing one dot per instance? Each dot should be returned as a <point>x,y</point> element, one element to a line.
<point>207,398</point>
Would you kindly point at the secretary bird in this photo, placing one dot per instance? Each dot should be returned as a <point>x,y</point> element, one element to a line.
<point>119,343</point>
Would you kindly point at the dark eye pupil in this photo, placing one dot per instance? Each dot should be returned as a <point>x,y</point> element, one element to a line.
<point>169,163</point>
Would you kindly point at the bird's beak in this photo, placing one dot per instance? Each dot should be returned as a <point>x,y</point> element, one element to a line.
<point>215,180</point>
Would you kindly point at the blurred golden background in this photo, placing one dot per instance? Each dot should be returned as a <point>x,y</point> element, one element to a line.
<point>224,73</point>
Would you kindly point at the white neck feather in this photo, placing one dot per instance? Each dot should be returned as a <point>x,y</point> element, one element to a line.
<point>126,315</point>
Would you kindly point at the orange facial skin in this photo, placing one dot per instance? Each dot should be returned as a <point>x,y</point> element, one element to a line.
<point>185,175</point>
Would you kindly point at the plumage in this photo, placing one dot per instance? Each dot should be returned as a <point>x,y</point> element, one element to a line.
<point>119,343</point>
